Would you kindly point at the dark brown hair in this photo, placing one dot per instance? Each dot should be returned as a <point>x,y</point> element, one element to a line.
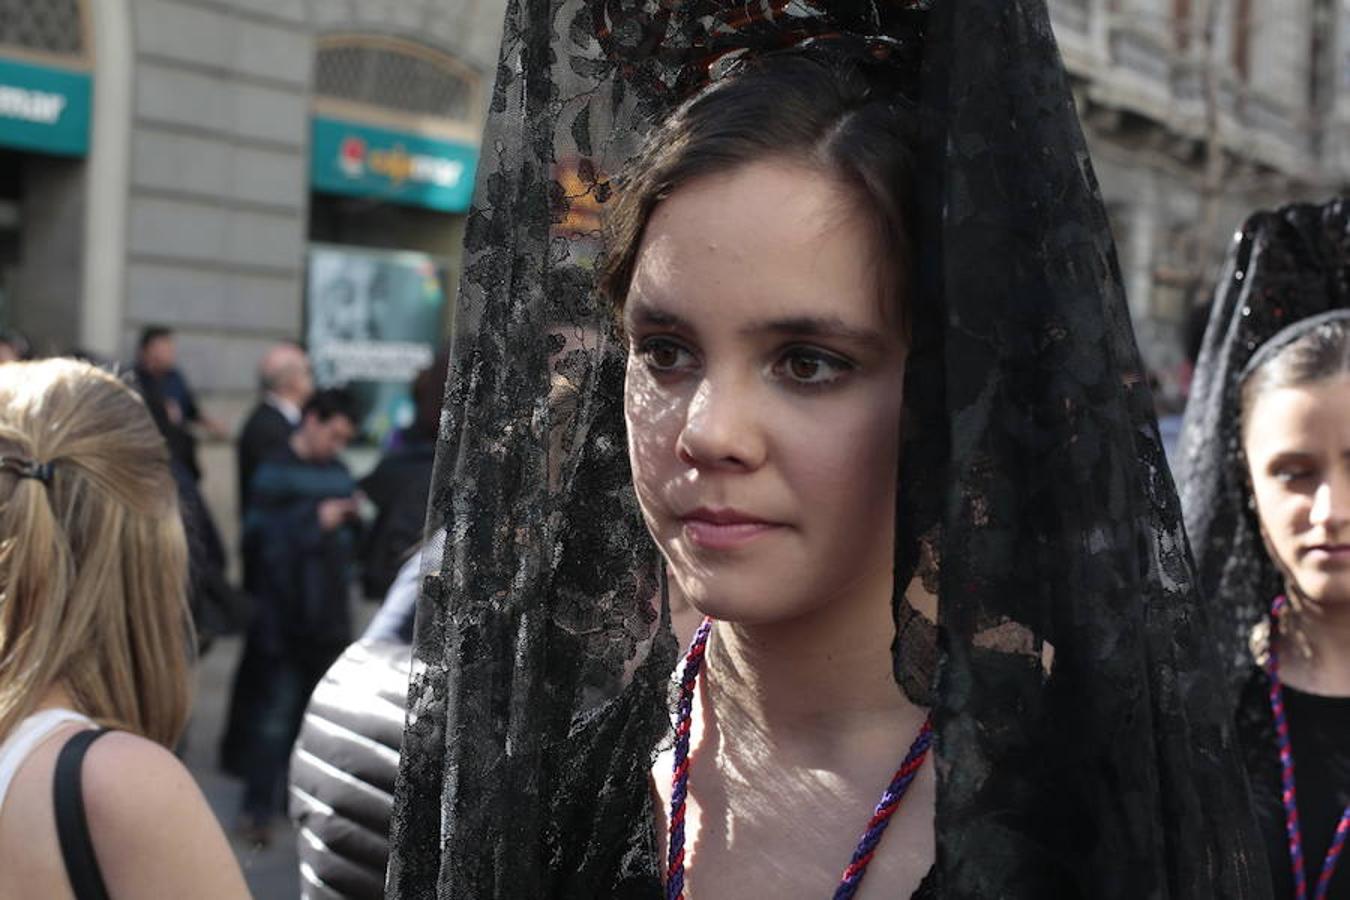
<point>824,114</point>
<point>1322,353</point>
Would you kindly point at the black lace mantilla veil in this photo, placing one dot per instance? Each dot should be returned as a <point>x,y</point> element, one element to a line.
<point>1082,748</point>
<point>1284,266</point>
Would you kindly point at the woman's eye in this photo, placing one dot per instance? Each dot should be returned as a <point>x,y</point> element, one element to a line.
<point>1292,476</point>
<point>811,367</point>
<point>664,355</point>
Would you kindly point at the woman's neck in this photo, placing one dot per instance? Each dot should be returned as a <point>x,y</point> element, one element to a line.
<point>1315,650</point>
<point>819,678</point>
<point>56,697</point>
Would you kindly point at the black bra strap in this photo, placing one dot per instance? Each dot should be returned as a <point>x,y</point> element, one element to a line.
<point>77,849</point>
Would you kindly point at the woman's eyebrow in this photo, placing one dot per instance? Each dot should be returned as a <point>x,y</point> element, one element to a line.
<point>644,313</point>
<point>818,326</point>
<point>1289,454</point>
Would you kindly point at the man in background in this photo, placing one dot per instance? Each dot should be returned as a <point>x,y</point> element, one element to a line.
<point>286,383</point>
<point>300,534</point>
<point>173,406</point>
<point>170,400</point>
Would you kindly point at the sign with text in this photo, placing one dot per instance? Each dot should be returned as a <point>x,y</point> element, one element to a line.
<point>373,321</point>
<point>363,161</point>
<point>44,108</point>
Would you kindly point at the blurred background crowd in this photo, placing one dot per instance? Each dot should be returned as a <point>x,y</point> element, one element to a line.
<point>256,209</point>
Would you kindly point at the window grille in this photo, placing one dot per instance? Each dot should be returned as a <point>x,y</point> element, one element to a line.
<point>43,26</point>
<point>395,75</point>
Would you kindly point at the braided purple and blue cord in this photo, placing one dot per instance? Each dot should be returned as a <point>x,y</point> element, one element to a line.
<point>1289,793</point>
<point>679,788</point>
<point>876,826</point>
<point>890,800</point>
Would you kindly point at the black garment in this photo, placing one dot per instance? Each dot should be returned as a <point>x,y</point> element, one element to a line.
<point>216,608</point>
<point>1081,748</point>
<point>302,618</point>
<point>172,405</point>
<point>265,432</point>
<point>1319,730</point>
<point>398,486</point>
<point>303,572</point>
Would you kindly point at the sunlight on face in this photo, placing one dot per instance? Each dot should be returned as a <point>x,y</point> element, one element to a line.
<point>1297,442</point>
<point>763,394</point>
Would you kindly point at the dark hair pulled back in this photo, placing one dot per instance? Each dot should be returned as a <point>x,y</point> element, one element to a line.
<point>825,114</point>
<point>1322,352</point>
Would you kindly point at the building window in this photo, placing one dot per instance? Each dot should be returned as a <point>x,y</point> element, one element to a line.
<point>1242,38</point>
<point>1181,23</point>
<point>44,27</point>
<point>395,75</point>
<point>1321,59</point>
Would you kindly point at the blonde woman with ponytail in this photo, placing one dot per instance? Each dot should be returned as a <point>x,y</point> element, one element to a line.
<point>93,651</point>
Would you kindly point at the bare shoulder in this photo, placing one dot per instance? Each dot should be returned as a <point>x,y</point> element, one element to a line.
<point>131,780</point>
<point>153,832</point>
<point>119,756</point>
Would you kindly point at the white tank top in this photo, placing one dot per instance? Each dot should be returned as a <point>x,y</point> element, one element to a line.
<point>31,732</point>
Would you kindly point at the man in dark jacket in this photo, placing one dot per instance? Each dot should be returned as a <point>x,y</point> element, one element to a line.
<point>173,406</point>
<point>286,384</point>
<point>299,540</point>
<point>170,399</point>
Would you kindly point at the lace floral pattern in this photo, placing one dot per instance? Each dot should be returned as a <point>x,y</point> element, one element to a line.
<point>1044,599</point>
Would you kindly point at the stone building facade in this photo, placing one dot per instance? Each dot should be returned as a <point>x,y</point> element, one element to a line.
<point>195,185</point>
<point>1264,83</point>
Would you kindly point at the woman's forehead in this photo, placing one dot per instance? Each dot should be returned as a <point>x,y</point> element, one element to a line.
<point>1286,418</point>
<point>767,241</point>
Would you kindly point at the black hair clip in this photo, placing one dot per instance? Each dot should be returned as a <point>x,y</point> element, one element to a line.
<point>27,468</point>
<point>887,59</point>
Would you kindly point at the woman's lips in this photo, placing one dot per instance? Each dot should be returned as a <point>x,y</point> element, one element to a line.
<point>724,529</point>
<point>1330,553</point>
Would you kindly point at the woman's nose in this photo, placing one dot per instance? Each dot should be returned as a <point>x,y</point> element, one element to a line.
<point>1331,502</point>
<point>721,428</point>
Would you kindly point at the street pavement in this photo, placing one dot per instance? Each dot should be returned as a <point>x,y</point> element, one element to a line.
<point>272,872</point>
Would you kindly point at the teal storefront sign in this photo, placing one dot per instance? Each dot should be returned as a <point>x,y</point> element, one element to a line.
<point>44,108</point>
<point>363,161</point>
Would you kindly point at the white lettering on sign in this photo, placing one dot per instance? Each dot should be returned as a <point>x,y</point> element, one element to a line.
<point>435,170</point>
<point>372,360</point>
<point>398,165</point>
<point>31,106</point>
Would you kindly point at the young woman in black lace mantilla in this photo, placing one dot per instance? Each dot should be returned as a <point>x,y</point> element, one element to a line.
<point>859,385</point>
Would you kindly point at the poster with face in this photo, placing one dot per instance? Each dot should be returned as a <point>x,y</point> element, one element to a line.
<point>374,319</point>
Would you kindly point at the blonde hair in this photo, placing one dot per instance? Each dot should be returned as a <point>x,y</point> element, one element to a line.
<point>93,564</point>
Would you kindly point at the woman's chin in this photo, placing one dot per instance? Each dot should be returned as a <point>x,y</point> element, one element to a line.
<point>745,602</point>
<point>1329,591</point>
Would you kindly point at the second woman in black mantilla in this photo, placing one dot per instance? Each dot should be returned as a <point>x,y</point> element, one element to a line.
<point>1266,477</point>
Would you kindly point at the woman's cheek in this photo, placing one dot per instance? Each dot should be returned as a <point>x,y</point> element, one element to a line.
<point>850,449</point>
<point>654,421</point>
<point>1283,517</point>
